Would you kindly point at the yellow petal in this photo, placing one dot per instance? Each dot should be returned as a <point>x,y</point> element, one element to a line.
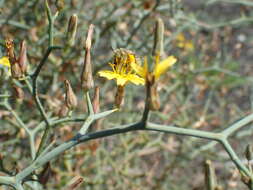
<point>136,79</point>
<point>131,58</point>
<point>121,81</point>
<point>189,46</point>
<point>5,62</point>
<point>163,66</point>
<point>180,37</point>
<point>107,74</point>
<point>138,69</point>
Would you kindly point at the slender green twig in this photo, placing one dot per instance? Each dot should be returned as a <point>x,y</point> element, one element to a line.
<point>23,125</point>
<point>47,131</point>
<point>227,132</point>
<point>235,158</point>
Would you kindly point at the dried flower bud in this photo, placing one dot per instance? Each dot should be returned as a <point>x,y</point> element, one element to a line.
<point>60,4</point>
<point>249,152</point>
<point>63,112</point>
<point>71,32</point>
<point>18,93</point>
<point>70,98</point>
<point>45,175</point>
<point>153,99</point>
<point>246,180</point>
<point>86,77</point>
<point>119,98</point>
<point>159,38</point>
<point>77,182</point>
<point>16,71</point>
<point>22,57</point>
<point>10,50</point>
<point>95,101</point>
<point>210,176</point>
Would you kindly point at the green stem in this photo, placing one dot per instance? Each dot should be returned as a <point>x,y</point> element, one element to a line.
<point>235,158</point>
<point>184,131</point>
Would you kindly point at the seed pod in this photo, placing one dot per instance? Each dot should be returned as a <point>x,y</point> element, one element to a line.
<point>71,32</point>
<point>119,98</point>
<point>70,97</point>
<point>23,57</point>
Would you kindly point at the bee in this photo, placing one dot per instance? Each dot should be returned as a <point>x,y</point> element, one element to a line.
<point>122,59</point>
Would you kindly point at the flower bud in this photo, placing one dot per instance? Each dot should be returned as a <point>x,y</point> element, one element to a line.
<point>210,176</point>
<point>119,98</point>
<point>46,174</point>
<point>70,97</point>
<point>248,152</point>
<point>159,38</point>
<point>95,101</point>
<point>63,112</point>
<point>153,99</point>
<point>86,76</point>
<point>71,32</point>
<point>16,71</point>
<point>18,93</point>
<point>22,57</point>
<point>10,50</point>
<point>60,4</point>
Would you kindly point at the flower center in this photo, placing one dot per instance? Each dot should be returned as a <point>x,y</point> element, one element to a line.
<point>122,62</point>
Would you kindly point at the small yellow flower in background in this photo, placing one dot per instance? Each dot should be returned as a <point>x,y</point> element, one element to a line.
<point>159,68</point>
<point>5,62</point>
<point>122,71</point>
<point>183,43</point>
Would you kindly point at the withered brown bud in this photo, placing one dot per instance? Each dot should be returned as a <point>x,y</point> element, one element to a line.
<point>63,112</point>
<point>153,99</point>
<point>23,56</point>
<point>18,93</point>
<point>159,38</point>
<point>210,177</point>
<point>71,32</point>
<point>86,76</point>
<point>76,183</point>
<point>70,98</point>
<point>16,71</point>
<point>45,175</point>
<point>249,152</point>
<point>119,98</point>
<point>95,101</point>
<point>10,50</point>
<point>60,4</point>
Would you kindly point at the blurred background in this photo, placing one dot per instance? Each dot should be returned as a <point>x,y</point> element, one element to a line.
<point>208,88</point>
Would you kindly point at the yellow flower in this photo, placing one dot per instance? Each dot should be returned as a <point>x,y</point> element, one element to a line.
<point>122,71</point>
<point>5,62</point>
<point>183,43</point>
<point>159,69</point>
